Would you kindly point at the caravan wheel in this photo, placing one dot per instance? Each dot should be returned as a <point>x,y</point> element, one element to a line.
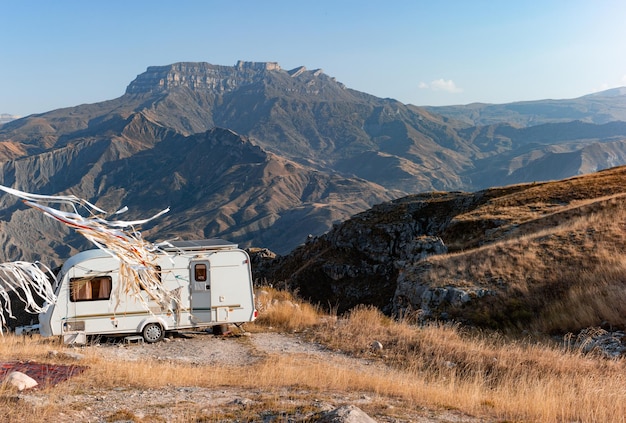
<point>152,332</point>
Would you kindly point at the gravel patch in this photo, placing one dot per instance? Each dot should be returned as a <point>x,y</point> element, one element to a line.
<point>201,349</point>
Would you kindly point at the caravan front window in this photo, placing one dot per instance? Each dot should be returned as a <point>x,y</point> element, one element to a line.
<point>90,289</point>
<point>200,272</point>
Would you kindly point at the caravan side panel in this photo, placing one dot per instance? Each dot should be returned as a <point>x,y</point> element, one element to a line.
<point>232,298</point>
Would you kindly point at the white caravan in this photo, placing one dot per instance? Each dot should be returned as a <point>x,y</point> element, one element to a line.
<point>211,280</point>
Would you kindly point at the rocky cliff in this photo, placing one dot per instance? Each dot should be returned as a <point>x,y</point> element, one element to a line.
<point>200,77</point>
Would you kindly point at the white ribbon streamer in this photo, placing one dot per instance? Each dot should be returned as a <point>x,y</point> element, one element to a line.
<point>138,272</point>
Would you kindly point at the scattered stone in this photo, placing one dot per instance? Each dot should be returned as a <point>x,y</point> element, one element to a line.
<point>596,340</point>
<point>344,414</point>
<point>242,401</point>
<point>20,381</point>
<point>376,346</point>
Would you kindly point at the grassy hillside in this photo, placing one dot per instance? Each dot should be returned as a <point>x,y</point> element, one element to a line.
<point>551,254</point>
<point>543,257</point>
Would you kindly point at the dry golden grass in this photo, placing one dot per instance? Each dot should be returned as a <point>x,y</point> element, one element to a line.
<point>282,310</point>
<point>486,374</point>
<point>558,261</point>
<point>434,366</point>
<point>558,272</point>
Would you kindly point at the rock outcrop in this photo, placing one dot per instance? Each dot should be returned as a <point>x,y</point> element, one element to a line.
<point>344,414</point>
<point>360,261</point>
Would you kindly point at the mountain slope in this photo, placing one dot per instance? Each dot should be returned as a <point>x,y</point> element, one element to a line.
<point>217,184</point>
<point>308,117</point>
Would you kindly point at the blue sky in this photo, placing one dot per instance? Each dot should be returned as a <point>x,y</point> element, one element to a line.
<point>63,53</point>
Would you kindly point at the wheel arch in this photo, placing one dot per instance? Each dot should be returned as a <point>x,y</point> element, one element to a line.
<point>153,319</point>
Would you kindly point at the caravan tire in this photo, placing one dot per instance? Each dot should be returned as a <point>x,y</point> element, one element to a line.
<point>152,332</point>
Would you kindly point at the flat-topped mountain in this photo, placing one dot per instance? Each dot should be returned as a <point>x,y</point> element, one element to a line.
<point>207,77</point>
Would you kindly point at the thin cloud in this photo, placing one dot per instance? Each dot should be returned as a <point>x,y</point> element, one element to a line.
<point>441,85</point>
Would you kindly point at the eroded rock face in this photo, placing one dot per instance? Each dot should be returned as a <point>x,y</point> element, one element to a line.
<point>199,76</point>
<point>359,261</point>
<point>378,258</point>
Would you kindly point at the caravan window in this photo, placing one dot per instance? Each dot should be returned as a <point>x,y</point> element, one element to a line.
<point>90,289</point>
<point>200,272</point>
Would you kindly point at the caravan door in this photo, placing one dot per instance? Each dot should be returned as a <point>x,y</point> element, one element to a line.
<point>200,287</point>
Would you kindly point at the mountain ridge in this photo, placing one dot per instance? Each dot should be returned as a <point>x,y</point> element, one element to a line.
<point>325,152</point>
<point>600,107</point>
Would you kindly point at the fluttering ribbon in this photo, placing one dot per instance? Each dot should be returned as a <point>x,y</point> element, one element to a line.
<point>29,282</point>
<point>119,238</point>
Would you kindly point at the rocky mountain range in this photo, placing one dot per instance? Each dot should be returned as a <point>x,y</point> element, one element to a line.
<point>265,156</point>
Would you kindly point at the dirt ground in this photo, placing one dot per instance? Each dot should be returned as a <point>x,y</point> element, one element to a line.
<point>198,404</point>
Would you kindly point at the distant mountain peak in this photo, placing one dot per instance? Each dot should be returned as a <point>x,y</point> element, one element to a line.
<point>612,92</point>
<point>6,117</point>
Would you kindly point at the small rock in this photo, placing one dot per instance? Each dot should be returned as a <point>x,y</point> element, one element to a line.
<point>344,414</point>
<point>20,381</point>
<point>376,346</point>
<point>242,401</point>
<point>72,356</point>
